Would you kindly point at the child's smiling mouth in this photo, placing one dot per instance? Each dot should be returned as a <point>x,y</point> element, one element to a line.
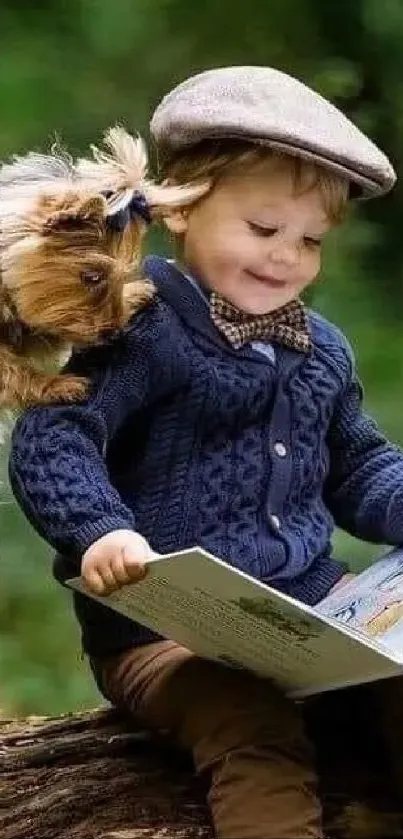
<point>267,279</point>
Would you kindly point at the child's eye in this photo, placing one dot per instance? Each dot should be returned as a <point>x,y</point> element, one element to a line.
<point>261,230</point>
<point>311,242</point>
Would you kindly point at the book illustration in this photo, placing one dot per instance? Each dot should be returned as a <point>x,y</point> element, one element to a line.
<point>393,581</point>
<point>389,615</point>
<point>373,615</point>
<point>372,602</point>
<point>300,627</point>
<point>349,611</point>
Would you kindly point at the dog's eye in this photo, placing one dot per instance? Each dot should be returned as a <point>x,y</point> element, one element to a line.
<point>92,278</point>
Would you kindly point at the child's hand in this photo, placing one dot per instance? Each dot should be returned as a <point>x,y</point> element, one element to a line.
<point>114,560</point>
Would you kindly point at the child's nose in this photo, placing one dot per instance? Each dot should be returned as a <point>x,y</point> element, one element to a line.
<point>284,252</point>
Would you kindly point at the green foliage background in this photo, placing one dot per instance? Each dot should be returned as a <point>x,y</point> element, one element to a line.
<point>70,69</point>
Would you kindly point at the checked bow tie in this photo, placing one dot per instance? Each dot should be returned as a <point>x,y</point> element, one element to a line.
<point>287,325</point>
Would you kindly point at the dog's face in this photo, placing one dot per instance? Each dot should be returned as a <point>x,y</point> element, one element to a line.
<point>67,275</point>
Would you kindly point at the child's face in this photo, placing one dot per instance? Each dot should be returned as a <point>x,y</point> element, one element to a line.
<point>253,239</point>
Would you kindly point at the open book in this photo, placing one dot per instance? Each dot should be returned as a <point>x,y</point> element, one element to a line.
<point>353,636</point>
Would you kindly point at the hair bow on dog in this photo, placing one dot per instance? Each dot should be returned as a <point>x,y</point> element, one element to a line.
<point>120,216</point>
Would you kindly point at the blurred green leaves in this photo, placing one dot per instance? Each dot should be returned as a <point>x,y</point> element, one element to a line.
<point>71,68</point>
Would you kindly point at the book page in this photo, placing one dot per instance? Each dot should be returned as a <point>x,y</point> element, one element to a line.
<point>221,613</point>
<point>372,602</point>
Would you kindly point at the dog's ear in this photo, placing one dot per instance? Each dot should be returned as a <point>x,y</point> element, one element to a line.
<point>72,213</point>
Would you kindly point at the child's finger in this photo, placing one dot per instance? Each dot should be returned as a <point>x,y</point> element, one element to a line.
<point>94,582</point>
<point>135,567</point>
<point>108,577</point>
<point>119,569</point>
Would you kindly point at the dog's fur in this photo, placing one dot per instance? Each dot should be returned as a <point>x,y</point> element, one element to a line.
<point>67,279</point>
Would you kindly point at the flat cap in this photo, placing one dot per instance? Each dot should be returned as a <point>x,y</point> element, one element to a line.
<point>268,107</point>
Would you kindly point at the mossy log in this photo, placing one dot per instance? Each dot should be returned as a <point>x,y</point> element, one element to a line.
<point>96,775</point>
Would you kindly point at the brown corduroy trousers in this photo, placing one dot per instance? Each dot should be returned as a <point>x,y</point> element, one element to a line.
<point>242,731</point>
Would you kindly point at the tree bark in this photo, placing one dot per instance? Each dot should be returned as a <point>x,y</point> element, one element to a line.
<point>95,775</point>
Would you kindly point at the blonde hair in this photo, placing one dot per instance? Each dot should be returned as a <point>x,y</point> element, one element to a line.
<point>209,162</point>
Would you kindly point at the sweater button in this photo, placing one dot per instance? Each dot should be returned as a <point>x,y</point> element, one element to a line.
<point>275,521</point>
<point>280,449</point>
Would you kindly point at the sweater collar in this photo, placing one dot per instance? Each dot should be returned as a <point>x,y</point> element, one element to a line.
<point>183,296</point>
<point>191,304</point>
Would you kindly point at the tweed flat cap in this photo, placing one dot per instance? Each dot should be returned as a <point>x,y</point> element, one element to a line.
<point>269,107</point>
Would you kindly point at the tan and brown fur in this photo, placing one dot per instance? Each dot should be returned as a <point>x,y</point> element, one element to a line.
<point>67,280</point>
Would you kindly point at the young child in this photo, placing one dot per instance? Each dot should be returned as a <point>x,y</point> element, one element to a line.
<point>226,415</point>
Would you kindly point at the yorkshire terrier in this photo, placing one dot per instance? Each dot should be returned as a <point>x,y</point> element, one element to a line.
<point>70,248</point>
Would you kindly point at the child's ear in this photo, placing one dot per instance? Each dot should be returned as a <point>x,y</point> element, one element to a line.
<point>175,218</point>
<point>176,221</point>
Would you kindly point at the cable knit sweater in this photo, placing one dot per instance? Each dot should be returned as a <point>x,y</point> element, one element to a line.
<point>190,441</point>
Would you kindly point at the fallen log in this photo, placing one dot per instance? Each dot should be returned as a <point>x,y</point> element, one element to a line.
<point>96,775</point>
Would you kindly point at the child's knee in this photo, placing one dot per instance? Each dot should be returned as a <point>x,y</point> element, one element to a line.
<point>234,708</point>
